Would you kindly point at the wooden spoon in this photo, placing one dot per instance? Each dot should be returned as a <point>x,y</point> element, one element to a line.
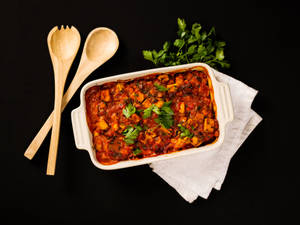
<point>63,45</point>
<point>101,44</point>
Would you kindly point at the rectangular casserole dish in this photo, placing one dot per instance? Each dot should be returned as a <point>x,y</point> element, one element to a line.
<point>83,136</point>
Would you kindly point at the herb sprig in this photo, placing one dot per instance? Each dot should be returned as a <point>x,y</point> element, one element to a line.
<point>195,45</point>
<point>160,87</point>
<point>185,132</point>
<point>137,151</point>
<point>131,134</point>
<point>165,114</point>
<point>129,110</point>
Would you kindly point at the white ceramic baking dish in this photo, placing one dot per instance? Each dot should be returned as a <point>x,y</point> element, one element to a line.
<point>83,137</point>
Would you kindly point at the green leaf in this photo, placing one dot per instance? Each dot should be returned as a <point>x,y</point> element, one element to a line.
<point>179,43</point>
<point>160,87</point>
<point>191,49</point>
<point>192,39</point>
<point>201,49</point>
<point>182,34</point>
<point>185,132</point>
<point>156,109</point>
<point>165,115</point>
<point>166,109</point>
<point>137,151</point>
<point>160,53</point>
<point>165,120</point>
<point>220,44</point>
<point>195,30</point>
<point>210,48</point>
<point>181,24</point>
<point>129,141</point>
<point>131,134</point>
<point>166,46</point>
<point>212,31</point>
<point>148,55</point>
<point>220,54</point>
<point>129,110</point>
<point>147,112</point>
<point>167,103</point>
<point>224,64</point>
<point>203,36</point>
<point>154,54</point>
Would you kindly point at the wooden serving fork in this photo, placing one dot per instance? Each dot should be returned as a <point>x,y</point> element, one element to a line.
<point>63,45</point>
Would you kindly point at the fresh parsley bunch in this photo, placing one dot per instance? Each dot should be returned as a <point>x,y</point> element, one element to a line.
<point>193,45</point>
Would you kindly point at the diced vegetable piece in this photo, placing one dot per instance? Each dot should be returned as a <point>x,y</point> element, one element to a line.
<point>120,86</point>
<point>172,87</point>
<point>159,103</point>
<point>102,105</point>
<point>165,130</point>
<point>101,143</point>
<point>209,125</point>
<point>179,80</point>
<point>115,126</point>
<point>135,118</point>
<point>102,124</point>
<point>194,81</point>
<point>105,96</point>
<point>199,117</point>
<point>122,126</point>
<point>179,142</point>
<point>147,103</point>
<point>96,133</point>
<point>140,96</point>
<point>196,141</point>
<point>181,107</point>
<point>163,78</point>
<point>182,119</point>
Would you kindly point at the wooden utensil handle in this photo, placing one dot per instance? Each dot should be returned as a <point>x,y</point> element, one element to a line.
<point>41,135</point>
<point>55,132</point>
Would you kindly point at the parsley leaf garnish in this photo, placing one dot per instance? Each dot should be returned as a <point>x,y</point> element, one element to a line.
<point>129,110</point>
<point>165,120</point>
<point>185,132</point>
<point>164,113</point>
<point>147,112</point>
<point>160,87</point>
<point>194,45</point>
<point>137,152</point>
<point>131,134</point>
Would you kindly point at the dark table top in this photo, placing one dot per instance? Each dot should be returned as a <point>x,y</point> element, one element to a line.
<point>263,49</point>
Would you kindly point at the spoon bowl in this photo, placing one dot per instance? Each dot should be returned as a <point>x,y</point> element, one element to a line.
<point>101,45</point>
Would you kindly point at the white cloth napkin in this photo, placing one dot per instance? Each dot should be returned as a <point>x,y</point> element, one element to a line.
<point>195,175</point>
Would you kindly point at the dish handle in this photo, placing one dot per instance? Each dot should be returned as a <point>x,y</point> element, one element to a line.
<point>80,128</point>
<point>225,96</point>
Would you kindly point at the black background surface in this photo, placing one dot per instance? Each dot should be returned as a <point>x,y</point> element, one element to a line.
<point>263,49</point>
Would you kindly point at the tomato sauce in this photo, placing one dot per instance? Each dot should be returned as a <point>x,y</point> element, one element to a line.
<point>152,115</point>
